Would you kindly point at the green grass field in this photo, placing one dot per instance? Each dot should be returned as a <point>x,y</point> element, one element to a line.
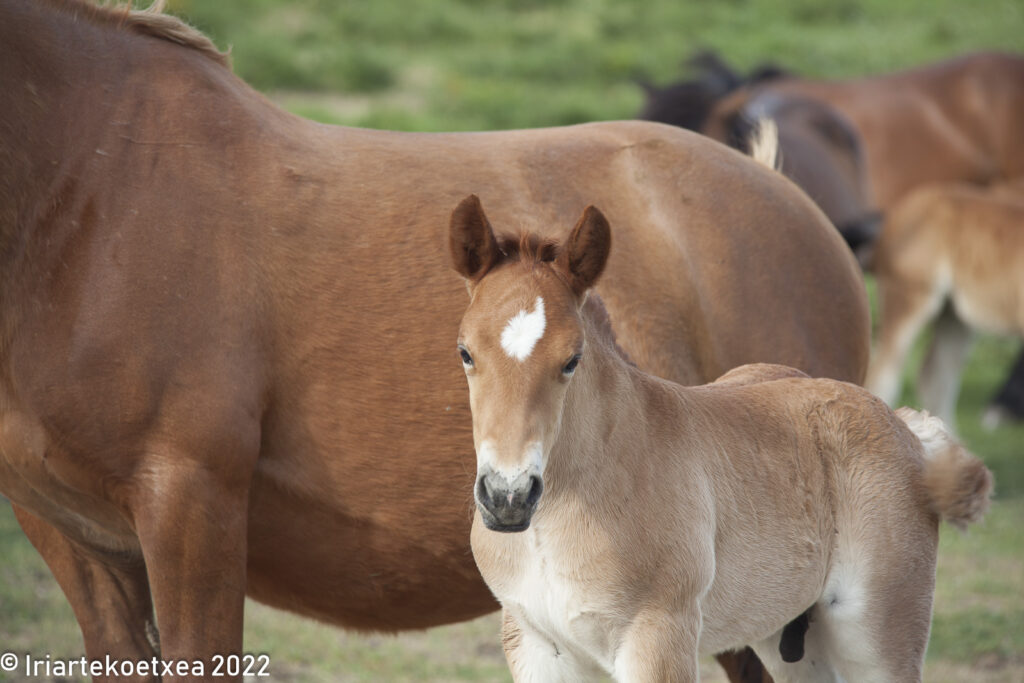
<point>495,64</point>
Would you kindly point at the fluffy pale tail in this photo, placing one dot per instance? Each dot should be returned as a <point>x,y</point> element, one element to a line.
<point>958,483</point>
<point>764,143</point>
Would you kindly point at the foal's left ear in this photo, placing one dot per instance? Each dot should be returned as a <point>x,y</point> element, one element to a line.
<point>584,254</point>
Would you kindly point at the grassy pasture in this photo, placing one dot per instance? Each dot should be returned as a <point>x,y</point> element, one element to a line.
<point>495,64</point>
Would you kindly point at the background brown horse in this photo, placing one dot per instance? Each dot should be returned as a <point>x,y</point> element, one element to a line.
<point>958,119</point>
<point>226,362</point>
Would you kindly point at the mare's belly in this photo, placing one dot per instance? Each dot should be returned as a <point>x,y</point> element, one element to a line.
<point>362,563</point>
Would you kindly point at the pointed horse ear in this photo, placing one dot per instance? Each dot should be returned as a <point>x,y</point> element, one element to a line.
<point>585,253</point>
<point>471,240</point>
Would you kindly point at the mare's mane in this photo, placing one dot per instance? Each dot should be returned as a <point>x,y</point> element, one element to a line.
<point>148,22</point>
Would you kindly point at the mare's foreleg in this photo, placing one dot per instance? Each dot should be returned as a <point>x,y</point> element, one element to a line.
<point>191,512</point>
<point>110,598</point>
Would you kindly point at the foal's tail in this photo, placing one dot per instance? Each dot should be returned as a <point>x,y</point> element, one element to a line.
<point>958,483</point>
<point>764,143</point>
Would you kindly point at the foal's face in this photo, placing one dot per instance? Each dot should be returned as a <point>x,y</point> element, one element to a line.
<point>520,343</point>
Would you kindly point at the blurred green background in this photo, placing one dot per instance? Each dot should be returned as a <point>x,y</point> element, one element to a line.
<point>487,64</point>
<point>437,65</point>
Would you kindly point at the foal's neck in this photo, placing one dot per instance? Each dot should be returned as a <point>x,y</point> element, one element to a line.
<point>615,416</point>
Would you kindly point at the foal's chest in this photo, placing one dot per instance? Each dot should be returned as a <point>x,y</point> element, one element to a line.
<point>556,591</point>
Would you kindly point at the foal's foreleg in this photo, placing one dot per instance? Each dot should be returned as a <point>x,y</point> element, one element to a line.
<point>534,659</point>
<point>660,647</point>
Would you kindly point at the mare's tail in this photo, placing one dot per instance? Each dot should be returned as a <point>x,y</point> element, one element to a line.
<point>764,143</point>
<point>958,483</point>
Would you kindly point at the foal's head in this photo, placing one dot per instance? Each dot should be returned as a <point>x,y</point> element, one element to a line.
<point>520,342</point>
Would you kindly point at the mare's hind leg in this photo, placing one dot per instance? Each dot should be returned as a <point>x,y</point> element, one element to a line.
<point>110,602</point>
<point>938,384</point>
<point>905,310</point>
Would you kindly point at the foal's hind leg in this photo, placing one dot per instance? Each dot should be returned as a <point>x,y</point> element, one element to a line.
<point>111,602</point>
<point>938,383</point>
<point>905,310</point>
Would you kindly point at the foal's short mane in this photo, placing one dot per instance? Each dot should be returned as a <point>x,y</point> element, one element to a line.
<point>149,22</point>
<point>527,247</point>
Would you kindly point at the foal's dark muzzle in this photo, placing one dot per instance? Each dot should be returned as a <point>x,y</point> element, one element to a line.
<point>506,506</point>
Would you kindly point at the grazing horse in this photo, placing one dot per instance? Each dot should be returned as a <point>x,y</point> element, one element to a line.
<point>627,523</point>
<point>956,120</point>
<point>688,103</point>
<point>955,253</point>
<point>221,325</point>
<point>821,152</point>
<point>820,149</point>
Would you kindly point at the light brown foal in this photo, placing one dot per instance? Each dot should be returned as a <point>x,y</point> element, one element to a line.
<point>954,253</point>
<point>658,521</point>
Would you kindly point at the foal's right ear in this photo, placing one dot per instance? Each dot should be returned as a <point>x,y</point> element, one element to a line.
<point>585,253</point>
<point>471,240</point>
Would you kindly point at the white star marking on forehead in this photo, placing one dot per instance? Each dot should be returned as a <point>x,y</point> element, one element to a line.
<point>523,331</point>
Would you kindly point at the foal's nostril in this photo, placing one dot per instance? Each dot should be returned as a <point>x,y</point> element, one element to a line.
<point>483,494</point>
<point>536,488</point>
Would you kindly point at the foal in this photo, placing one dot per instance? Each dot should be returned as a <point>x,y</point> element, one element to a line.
<point>954,253</point>
<point>657,521</point>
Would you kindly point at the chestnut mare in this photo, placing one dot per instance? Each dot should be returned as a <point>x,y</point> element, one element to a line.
<point>627,523</point>
<point>954,120</point>
<point>224,327</point>
<point>955,245</point>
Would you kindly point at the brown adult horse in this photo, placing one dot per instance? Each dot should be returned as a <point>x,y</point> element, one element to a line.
<point>222,356</point>
<point>955,120</point>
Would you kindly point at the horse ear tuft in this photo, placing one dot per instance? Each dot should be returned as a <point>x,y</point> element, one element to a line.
<point>585,253</point>
<point>471,240</point>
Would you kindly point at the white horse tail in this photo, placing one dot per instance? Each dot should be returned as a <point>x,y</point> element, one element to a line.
<point>958,483</point>
<point>764,143</point>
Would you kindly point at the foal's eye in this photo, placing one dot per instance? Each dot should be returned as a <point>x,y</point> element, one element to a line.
<point>570,367</point>
<point>467,360</point>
